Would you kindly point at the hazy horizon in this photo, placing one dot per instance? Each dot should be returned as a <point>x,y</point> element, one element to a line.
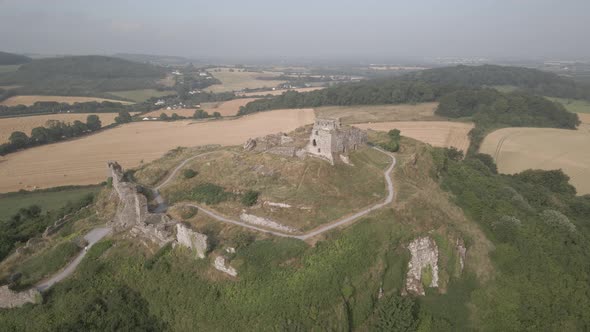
<point>264,28</point>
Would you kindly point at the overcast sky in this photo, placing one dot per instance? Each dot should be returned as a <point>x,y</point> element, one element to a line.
<point>314,28</point>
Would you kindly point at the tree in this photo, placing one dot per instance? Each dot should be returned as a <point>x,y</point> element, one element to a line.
<point>79,128</point>
<point>39,135</point>
<point>174,117</point>
<point>124,117</point>
<point>200,114</point>
<point>93,122</point>
<point>250,198</point>
<point>216,115</point>
<point>397,313</point>
<point>164,117</point>
<point>18,139</point>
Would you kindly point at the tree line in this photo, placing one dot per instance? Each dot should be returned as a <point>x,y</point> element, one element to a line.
<point>54,131</point>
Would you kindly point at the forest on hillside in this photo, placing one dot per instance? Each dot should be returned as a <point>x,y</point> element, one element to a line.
<point>7,59</point>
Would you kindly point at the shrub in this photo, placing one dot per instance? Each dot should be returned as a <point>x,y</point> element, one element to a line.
<point>189,173</point>
<point>209,193</point>
<point>250,198</point>
<point>187,212</point>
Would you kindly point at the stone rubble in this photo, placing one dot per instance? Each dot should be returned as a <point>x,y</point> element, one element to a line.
<point>192,240</point>
<point>12,299</point>
<point>424,252</point>
<point>461,250</point>
<point>280,205</point>
<point>259,221</point>
<point>220,265</point>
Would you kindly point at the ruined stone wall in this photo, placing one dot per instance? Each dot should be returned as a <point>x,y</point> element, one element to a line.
<point>220,265</point>
<point>12,299</point>
<point>192,240</point>
<point>328,139</point>
<point>260,221</point>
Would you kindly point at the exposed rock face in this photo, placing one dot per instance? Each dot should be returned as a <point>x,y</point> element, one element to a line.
<point>133,210</point>
<point>220,265</point>
<point>328,138</point>
<point>424,253</point>
<point>12,299</point>
<point>461,251</point>
<point>191,239</point>
<point>250,144</point>
<point>259,221</point>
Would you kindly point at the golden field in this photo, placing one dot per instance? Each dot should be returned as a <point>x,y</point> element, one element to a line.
<point>380,113</point>
<point>27,123</point>
<point>435,133</point>
<point>518,149</point>
<point>238,80</point>
<point>30,100</point>
<point>83,161</point>
<point>280,92</point>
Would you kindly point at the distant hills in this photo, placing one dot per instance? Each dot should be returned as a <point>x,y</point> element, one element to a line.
<point>164,60</point>
<point>13,59</point>
<point>83,75</point>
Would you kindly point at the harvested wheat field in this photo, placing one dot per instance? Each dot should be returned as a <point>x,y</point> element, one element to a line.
<point>518,149</point>
<point>381,113</point>
<point>280,92</point>
<point>27,123</point>
<point>436,133</point>
<point>30,100</point>
<point>238,80</point>
<point>226,108</point>
<point>83,161</point>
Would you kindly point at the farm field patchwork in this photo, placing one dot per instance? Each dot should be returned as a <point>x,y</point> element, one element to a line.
<point>27,123</point>
<point>380,113</point>
<point>141,95</point>
<point>436,133</point>
<point>30,100</point>
<point>238,80</point>
<point>83,161</point>
<point>518,149</point>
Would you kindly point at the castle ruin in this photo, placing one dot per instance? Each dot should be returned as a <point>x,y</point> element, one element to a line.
<point>329,139</point>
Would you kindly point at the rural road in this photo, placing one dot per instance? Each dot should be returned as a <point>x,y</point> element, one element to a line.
<point>312,233</point>
<point>92,237</point>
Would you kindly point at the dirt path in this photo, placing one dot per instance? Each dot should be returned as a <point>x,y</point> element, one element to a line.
<point>322,229</point>
<point>92,237</point>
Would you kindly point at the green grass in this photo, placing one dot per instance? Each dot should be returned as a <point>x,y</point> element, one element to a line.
<point>47,199</point>
<point>39,266</point>
<point>505,88</point>
<point>8,68</point>
<point>573,105</point>
<point>141,95</point>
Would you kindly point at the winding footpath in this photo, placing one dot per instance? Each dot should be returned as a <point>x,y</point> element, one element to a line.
<point>92,237</point>
<point>305,236</point>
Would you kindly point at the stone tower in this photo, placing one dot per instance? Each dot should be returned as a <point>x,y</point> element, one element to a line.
<point>329,139</point>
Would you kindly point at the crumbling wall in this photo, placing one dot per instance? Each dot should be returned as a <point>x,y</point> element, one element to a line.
<point>259,221</point>
<point>424,252</point>
<point>133,211</point>
<point>328,138</point>
<point>219,264</point>
<point>192,240</point>
<point>12,299</point>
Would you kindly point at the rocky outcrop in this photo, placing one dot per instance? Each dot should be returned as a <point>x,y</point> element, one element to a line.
<point>12,299</point>
<point>220,265</point>
<point>250,144</point>
<point>259,221</point>
<point>461,252</point>
<point>192,240</point>
<point>424,260</point>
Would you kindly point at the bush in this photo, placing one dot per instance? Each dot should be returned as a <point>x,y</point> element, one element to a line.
<point>209,193</point>
<point>250,198</point>
<point>187,212</point>
<point>189,173</point>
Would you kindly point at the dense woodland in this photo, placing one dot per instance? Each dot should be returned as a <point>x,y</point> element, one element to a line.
<point>531,80</point>
<point>83,75</point>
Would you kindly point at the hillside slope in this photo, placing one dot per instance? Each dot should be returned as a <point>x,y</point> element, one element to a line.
<point>83,75</point>
<point>13,59</point>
